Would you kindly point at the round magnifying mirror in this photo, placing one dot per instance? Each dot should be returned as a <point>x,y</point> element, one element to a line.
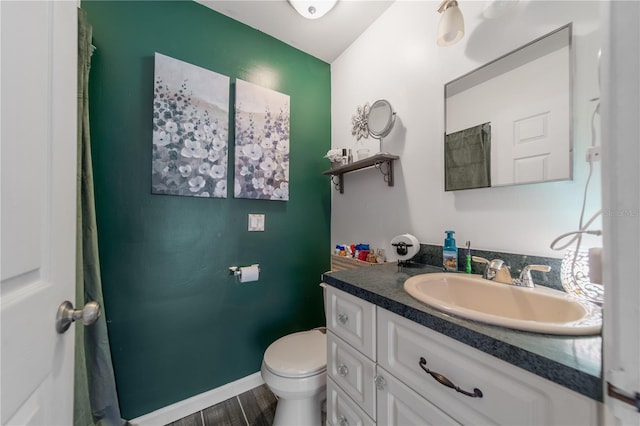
<point>380,119</point>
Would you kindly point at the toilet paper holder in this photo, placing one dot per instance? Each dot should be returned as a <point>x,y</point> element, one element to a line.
<point>237,270</point>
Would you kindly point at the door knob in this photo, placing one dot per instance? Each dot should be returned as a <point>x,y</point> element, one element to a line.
<point>66,315</point>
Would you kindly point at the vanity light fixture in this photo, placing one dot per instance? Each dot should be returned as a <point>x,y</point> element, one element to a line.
<point>451,26</point>
<point>313,9</point>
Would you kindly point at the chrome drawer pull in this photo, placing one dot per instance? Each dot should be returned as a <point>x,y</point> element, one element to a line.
<point>343,370</point>
<point>343,318</point>
<point>477,393</point>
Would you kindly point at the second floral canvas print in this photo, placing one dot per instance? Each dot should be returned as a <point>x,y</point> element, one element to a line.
<point>190,130</point>
<point>262,143</point>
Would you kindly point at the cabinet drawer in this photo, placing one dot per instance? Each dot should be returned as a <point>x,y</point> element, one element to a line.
<point>342,411</point>
<point>507,396</point>
<point>352,372</point>
<point>352,319</point>
<point>400,406</point>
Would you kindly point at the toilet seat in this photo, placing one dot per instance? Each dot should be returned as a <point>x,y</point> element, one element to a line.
<point>299,354</point>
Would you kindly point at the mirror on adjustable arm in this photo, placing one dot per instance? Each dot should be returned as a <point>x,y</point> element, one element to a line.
<point>380,120</point>
<point>509,122</point>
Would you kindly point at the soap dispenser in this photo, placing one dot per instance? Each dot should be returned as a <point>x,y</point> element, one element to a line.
<point>450,253</point>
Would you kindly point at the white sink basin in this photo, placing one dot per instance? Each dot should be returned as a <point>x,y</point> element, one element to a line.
<point>539,309</point>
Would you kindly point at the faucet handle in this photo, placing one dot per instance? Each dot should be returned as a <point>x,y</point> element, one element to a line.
<point>486,262</point>
<point>480,259</point>
<point>525,275</point>
<point>541,268</point>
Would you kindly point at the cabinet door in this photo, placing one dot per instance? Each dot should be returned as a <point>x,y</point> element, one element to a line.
<point>342,411</point>
<point>400,406</point>
<point>353,372</point>
<point>353,319</point>
<point>510,395</point>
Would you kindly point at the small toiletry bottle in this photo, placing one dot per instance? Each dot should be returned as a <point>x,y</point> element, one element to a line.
<point>450,253</point>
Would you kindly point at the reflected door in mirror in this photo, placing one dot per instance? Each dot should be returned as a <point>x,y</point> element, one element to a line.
<point>526,96</point>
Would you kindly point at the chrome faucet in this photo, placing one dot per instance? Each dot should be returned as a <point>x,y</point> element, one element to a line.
<point>497,270</point>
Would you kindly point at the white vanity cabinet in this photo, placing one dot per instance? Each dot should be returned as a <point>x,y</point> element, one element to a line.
<point>400,406</point>
<point>388,386</point>
<point>353,372</point>
<point>358,390</point>
<point>510,395</point>
<point>351,350</point>
<point>353,320</point>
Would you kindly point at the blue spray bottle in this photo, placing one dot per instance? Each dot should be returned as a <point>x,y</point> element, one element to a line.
<point>450,253</point>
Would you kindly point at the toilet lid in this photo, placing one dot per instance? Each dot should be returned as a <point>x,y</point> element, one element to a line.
<point>298,355</point>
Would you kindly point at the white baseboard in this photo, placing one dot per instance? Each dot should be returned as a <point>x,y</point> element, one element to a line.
<point>181,409</point>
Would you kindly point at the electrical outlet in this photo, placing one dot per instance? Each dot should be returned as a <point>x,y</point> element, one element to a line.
<point>593,154</point>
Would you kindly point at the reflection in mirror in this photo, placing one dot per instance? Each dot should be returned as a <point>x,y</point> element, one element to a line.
<point>468,158</point>
<point>381,119</point>
<point>509,122</point>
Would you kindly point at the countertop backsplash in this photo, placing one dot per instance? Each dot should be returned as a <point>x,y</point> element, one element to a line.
<point>430,254</point>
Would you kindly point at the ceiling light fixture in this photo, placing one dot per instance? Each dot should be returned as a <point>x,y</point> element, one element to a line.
<point>313,9</point>
<point>451,27</point>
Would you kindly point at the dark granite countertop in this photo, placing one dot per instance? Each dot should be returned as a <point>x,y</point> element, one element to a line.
<point>573,362</point>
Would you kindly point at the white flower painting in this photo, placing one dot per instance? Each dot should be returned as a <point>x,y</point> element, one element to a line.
<point>262,143</point>
<point>190,130</point>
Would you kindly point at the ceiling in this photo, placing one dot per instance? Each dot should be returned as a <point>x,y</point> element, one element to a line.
<point>325,38</point>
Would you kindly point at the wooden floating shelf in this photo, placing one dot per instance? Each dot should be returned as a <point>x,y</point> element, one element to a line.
<point>376,161</point>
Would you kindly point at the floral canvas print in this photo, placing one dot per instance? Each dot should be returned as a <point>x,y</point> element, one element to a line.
<point>190,130</point>
<point>262,143</point>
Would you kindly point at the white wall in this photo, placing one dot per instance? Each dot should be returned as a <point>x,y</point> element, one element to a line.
<point>397,59</point>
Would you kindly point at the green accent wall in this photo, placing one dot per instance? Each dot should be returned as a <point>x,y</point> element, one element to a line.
<point>179,325</point>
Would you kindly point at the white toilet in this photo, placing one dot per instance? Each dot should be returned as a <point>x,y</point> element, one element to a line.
<point>294,367</point>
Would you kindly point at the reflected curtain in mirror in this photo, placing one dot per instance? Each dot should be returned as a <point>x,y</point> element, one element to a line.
<point>467,158</point>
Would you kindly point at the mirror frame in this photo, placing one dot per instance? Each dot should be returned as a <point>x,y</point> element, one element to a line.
<point>386,129</point>
<point>540,47</point>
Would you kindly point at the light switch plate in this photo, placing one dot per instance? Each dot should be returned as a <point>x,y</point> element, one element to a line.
<point>256,222</point>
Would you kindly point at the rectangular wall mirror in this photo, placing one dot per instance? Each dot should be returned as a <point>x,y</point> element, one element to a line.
<point>509,122</point>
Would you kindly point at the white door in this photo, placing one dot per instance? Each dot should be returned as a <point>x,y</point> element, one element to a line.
<point>620,109</point>
<point>38,205</point>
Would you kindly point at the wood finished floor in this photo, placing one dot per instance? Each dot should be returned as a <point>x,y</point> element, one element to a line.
<point>255,407</point>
